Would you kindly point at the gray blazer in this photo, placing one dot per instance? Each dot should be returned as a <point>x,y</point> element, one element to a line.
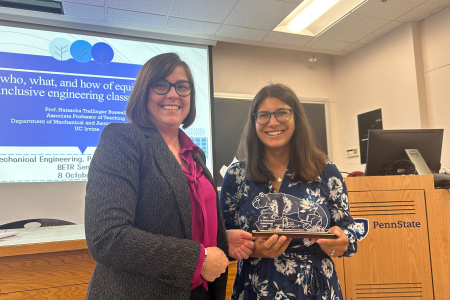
<point>138,219</point>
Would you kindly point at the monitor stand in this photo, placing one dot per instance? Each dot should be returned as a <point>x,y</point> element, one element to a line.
<point>417,159</point>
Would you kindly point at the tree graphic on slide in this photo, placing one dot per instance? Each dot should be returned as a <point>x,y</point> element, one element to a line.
<point>81,51</point>
<point>102,53</point>
<point>59,49</point>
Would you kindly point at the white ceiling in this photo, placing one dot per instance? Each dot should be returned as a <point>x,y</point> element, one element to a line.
<point>245,21</point>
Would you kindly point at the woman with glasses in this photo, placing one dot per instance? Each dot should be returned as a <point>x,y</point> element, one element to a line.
<point>286,183</point>
<point>152,217</point>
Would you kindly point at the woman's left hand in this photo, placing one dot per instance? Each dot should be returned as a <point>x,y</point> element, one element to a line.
<point>334,247</point>
<point>240,243</point>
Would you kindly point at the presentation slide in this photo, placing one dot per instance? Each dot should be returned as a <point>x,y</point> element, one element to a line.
<point>59,90</point>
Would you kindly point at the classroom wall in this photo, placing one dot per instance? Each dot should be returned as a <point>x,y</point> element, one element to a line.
<point>435,36</point>
<point>54,200</point>
<point>379,75</point>
<point>406,74</point>
<point>244,69</point>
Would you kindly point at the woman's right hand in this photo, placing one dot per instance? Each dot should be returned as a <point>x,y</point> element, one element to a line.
<point>271,247</point>
<point>216,263</point>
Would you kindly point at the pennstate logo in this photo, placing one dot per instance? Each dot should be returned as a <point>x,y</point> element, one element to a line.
<point>361,228</point>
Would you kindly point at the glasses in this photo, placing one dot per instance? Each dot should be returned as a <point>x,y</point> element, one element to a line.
<point>162,87</point>
<point>282,115</point>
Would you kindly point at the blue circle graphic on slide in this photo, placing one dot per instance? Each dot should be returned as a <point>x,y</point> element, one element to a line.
<point>102,53</point>
<point>60,49</point>
<point>81,51</point>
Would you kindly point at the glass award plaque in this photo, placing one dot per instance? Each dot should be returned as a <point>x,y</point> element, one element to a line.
<point>295,234</point>
<point>294,217</point>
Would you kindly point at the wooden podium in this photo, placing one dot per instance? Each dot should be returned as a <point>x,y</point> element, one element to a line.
<point>403,254</point>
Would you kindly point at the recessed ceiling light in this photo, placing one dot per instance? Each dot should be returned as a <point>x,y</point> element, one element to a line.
<point>312,17</point>
<point>49,6</point>
<point>310,13</point>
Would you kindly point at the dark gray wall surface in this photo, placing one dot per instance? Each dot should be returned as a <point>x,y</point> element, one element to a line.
<point>230,117</point>
<point>367,121</point>
<point>315,112</point>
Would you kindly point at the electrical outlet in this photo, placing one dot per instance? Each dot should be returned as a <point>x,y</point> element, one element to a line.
<point>352,152</point>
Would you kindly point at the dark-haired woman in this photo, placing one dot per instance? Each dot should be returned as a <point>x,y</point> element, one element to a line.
<point>152,217</point>
<point>286,182</point>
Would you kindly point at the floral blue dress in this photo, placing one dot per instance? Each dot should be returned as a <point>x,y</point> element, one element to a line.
<point>304,270</point>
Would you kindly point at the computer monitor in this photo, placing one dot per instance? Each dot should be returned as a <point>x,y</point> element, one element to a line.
<point>386,153</point>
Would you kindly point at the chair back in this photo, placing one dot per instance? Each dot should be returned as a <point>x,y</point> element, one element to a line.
<point>35,223</point>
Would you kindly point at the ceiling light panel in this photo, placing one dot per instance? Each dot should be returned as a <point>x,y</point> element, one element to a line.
<point>310,14</point>
<point>312,17</point>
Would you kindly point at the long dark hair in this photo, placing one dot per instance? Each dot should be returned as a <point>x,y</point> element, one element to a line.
<point>306,161</point>
<point>155,69</point>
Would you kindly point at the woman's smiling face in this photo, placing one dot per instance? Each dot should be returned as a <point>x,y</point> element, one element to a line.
<point>275,135</point>
<point>168,111</point>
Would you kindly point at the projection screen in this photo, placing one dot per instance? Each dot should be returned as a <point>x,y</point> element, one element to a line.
<point>59,90</point>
